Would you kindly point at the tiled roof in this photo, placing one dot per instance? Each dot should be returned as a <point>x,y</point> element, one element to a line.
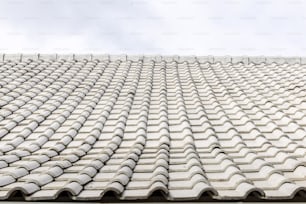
<point>184,127</point>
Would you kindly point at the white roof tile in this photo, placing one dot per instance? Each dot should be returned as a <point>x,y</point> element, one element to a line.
<point>185,126</point>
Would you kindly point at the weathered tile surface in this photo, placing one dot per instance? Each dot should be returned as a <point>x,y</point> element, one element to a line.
<point>185,127</point>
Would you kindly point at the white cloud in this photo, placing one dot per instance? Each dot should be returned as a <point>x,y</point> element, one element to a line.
<point>201,27</point>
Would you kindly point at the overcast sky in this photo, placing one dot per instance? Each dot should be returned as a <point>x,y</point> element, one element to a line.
<point>184,27</point>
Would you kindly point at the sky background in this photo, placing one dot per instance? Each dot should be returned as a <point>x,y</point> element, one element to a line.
<point>183,27</point>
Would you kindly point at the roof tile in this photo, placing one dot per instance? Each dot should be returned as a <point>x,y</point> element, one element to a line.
<point>185,127</point>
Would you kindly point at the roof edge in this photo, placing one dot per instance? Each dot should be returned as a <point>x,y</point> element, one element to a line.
<point>168,58</point>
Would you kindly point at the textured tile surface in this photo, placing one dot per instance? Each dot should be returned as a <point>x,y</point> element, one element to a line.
<point>183,127</point>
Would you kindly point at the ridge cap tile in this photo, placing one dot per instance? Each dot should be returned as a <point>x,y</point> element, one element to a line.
<point>12,57</point>
<point>65,56</point>
<point>44,56</point>
<point>203,59</point>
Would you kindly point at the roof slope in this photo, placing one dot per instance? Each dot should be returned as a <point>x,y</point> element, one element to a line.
<point>185,127</point>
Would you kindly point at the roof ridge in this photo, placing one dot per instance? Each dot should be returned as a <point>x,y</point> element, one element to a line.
<point>246,59</point>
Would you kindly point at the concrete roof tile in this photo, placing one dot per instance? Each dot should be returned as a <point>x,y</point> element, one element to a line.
<point>182,126</point>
